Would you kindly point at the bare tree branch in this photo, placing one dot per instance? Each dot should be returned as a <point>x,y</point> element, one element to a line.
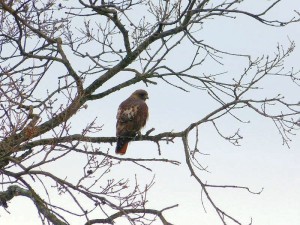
<point>57,57</point>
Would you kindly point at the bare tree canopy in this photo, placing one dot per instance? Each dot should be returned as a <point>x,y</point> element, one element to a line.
<point>58,59</point>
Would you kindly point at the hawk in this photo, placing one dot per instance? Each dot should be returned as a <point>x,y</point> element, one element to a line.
<point>131,117</point>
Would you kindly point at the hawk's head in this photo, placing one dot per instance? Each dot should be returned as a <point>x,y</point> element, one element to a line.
<point>140,94</point>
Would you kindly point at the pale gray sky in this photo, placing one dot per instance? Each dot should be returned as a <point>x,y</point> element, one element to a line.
<point>261,161</point>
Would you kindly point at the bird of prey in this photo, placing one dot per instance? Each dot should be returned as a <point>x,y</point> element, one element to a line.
<point>131,117</point>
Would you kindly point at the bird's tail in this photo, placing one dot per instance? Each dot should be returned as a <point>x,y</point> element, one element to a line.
<point>122,143</point>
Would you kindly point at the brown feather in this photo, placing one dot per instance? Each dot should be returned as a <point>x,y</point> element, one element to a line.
<point>131,117</point>
<point>121,146</point>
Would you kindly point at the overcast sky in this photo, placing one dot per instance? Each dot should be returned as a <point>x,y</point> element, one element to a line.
<point>261,162</point>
